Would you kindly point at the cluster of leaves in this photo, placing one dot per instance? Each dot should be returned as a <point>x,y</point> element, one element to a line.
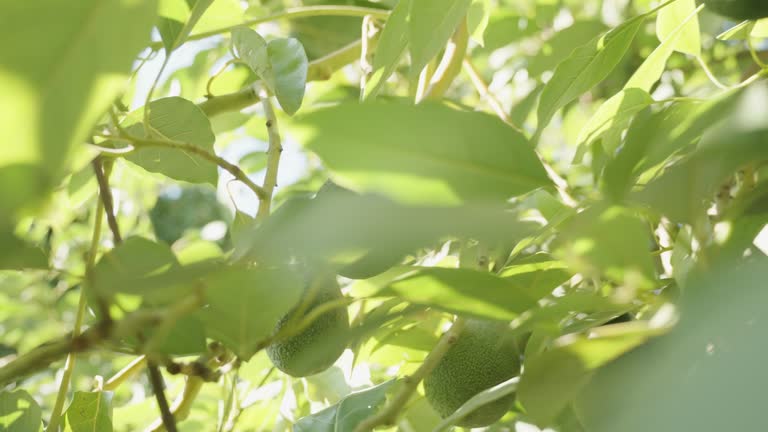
<point>595,178</point>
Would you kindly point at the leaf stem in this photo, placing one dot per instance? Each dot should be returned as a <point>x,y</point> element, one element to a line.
<point>128,371</point>
<point>388,415</point>
<point>292,13</point>
<point>69,365</point>
<point>273,159</point>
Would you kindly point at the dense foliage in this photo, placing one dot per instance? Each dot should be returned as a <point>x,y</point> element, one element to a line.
<point>411,215</point>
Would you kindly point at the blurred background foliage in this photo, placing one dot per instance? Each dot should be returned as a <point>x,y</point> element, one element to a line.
<point>715,347</point>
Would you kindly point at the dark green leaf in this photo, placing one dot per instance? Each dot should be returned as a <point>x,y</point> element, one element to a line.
<point>244,305</point>
<point>16,254</point>
<point>424,154</point>
<point>462,291</point>
<point>65,67</point>
<point>289,66</point>
<point>347,414</point>
<point>90,411</point>
<point>684,192</point>
<point>19,412</point>
<point>553,379</point>
<point>179,120</point>
<point>710,364</point>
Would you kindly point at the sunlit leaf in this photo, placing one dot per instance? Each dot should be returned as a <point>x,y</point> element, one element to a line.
<point>674,16</point>
<point>177,19</point>
<point>424,154</point>
<point>82,58</point>
<point>19,412</point>
<point>90,411</point>
<point>431,24</point>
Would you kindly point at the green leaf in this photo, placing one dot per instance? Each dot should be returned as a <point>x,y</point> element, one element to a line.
<point>653,67</point>
<point>477,19</point>
<point>740,31</point>
<point>90,411</point>
<point>684,192</point>
<point>554,378</point>
<point>462,291</point>
<point>82,59</point>
<point>336,228</point>
<point>586,67</point>
<point>177,19</point>
<point>562,44</point>
<point>348,413</point>
<point>253,162</point>
<point>391,47</point>
<point>180,120</point>
<point>127,263</point>
<point>674,16</point>
<point>19,412</point>
<point>252,49</point>
<point>711,363</point>
<point>16,254</point>
<point>434,155</point>
<point>539,274</point>
<point>431,25</point>
<point>610,241</point>
<point>612,118</point>
<point>289,65</point>
<point>244,305</point>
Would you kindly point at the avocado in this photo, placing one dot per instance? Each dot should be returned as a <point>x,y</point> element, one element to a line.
<point>318,346</point>
<point>484,355</point>
<point>739,9</point>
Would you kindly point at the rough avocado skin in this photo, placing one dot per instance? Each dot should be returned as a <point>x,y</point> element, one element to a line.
<point>319,346</point>
<point>739,9</point>
<point>484,355</point>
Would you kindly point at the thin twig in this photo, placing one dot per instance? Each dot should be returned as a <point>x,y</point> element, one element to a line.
<point>158,386</point>
<point>273,159</point>
<point>127,372</point>
<point>199,151</point>
<point>388,415</point>
<point>69,365</point>
<point>106,197</point>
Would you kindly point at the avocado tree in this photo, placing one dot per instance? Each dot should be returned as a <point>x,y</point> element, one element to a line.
<point>403,215</point>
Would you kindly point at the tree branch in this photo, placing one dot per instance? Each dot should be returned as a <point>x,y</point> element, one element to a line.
<point>388,415</point>
<point>106,197</point>
<point>273,159</point>
<point>41,357</point>
<point>292,13</point>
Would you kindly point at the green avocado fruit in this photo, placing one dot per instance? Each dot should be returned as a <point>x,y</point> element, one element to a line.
<point>483,356</point>
<point>739,9</point>
<point>317,347</point>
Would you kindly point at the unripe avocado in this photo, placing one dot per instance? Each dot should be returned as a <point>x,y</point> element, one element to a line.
<point>483,356</point>
<point>739,9</point>
<point>318,346</point>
